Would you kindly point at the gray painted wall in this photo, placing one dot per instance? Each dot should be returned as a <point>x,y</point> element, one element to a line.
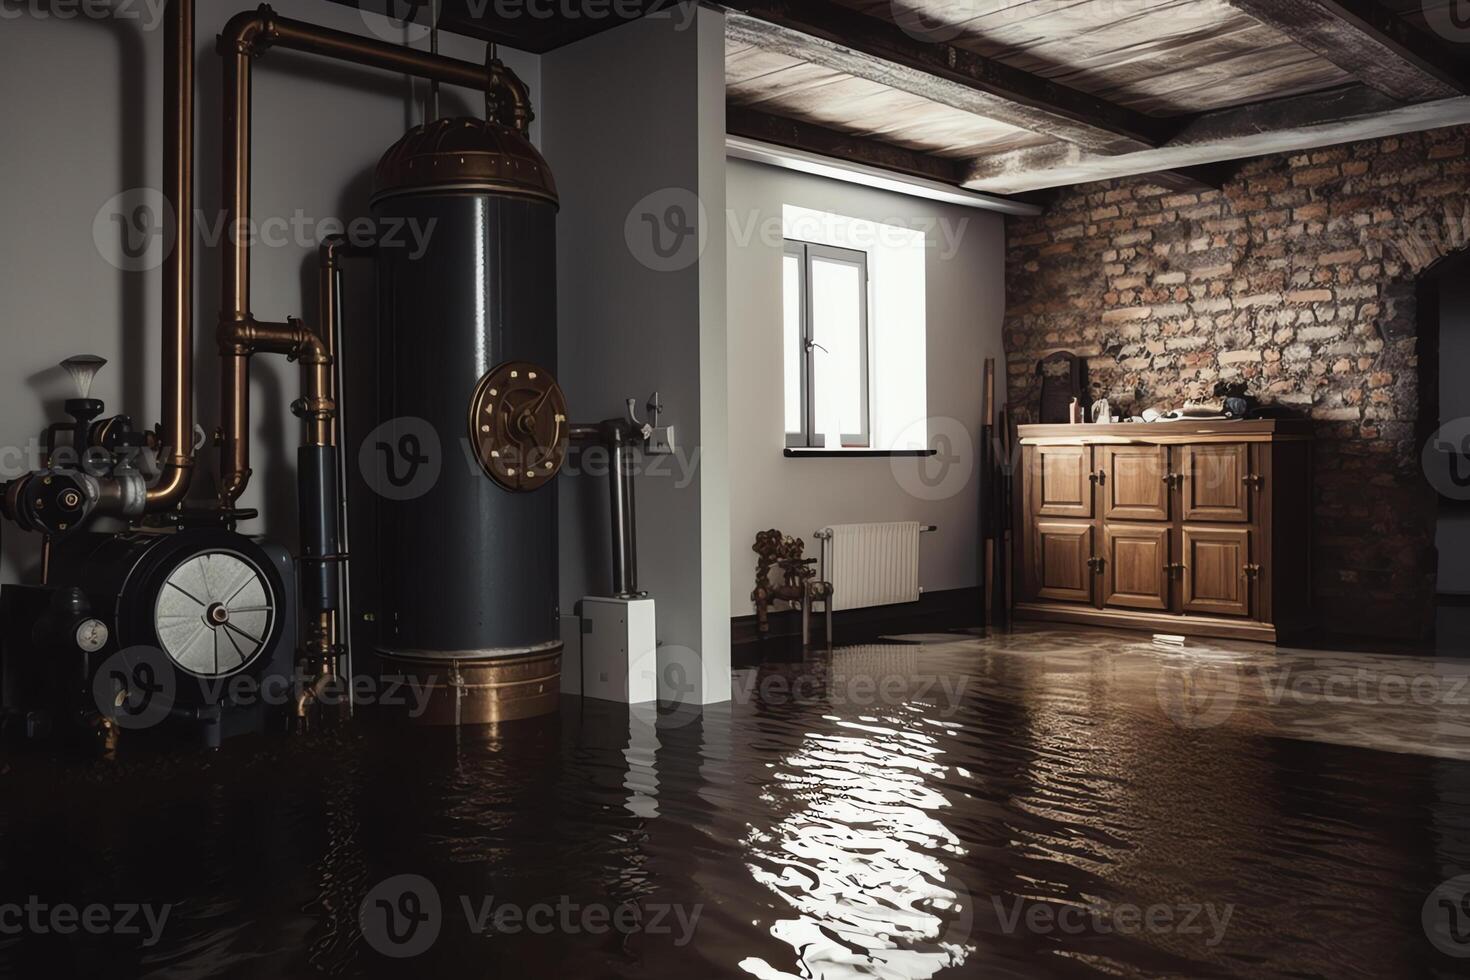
<point>966,305</point>
<point>89,127</point>
<point>635,133</point>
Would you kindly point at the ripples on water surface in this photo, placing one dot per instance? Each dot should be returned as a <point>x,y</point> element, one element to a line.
<point>1047,804</point>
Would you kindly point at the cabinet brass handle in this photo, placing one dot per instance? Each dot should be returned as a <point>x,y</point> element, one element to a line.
<point>1252,571</point>
<point>1253,481</point>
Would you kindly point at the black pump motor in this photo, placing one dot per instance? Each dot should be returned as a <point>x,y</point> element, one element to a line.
<point>185,631</point>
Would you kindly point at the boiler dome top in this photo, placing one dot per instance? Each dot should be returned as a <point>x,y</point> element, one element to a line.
<point>464,155</point>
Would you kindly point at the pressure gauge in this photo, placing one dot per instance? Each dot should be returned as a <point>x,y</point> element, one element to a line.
<point>92,635</point>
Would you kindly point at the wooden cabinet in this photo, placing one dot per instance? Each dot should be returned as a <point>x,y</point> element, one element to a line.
<point>1175,527</point>
<point>1217,570</point>
<point>1064,481</point>
<point>1136,566</point>
<point>1216,482</point>
<point>1064,561</point>
<point>1136,483</point>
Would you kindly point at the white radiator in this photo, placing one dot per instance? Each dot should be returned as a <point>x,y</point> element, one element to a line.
<point>872,564</point>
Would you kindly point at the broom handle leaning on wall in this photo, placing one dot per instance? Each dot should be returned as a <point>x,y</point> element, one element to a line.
<point>987,490</point>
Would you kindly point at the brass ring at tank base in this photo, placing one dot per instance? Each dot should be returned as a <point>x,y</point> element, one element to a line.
<point>518,426</point>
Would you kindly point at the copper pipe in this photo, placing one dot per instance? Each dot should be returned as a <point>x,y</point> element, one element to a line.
<point>503,84</point>
<point>329,312</point>
<point>234,440</point>
<point>178,273</point>
<point>246,36</point>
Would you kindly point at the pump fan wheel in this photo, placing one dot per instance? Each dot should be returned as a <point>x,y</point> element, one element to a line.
<point>214,613</point>
<point>518,426</point>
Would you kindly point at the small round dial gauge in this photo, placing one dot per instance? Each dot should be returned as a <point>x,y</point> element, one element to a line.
<point>518,425</point>
<point>92,635</point>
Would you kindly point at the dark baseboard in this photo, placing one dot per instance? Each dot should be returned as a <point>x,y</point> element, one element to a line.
<point>934,612</point>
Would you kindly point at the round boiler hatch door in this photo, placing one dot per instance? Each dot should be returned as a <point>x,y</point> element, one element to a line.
<point>214,613</point>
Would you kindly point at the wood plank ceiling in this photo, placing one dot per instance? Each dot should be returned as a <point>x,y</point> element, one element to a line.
<point>1016,95</point>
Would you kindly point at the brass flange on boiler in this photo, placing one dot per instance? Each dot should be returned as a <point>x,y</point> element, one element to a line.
<point>518,426</point>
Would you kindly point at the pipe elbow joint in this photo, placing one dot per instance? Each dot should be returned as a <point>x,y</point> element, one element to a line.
<point>172,486</point>
<point>249,32</point>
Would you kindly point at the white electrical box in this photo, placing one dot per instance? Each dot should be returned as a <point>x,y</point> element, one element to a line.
<point>619,650</point>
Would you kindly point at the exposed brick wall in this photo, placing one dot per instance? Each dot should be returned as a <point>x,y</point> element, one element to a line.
<point>1299,277</point>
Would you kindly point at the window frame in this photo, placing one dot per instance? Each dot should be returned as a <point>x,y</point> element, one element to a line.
<point>805,253</point>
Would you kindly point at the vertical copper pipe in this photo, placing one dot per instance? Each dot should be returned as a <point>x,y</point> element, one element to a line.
<point>236,45</point>
<point>234,442</point>
<point>236,48</point>
<point>178,272</point>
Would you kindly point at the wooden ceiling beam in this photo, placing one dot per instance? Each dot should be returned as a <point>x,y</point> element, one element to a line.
<point>835,37</point>
<point>1282,126</point>
<point>797,135</point>
<point>1370,42</point>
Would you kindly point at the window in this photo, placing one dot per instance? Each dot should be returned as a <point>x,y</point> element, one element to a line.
<point>826,298</point>
<point>853,335</point>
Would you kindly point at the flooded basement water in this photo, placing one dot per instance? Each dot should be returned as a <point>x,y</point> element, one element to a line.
<point>1053,803</point>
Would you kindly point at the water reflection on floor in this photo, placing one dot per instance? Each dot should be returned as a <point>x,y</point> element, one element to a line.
<point>1050,803</point>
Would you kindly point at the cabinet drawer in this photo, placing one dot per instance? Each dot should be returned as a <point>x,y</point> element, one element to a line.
<point>1217,482</point>
<point>1135,483</point>
<point>1136,572</point>
<point>1061,481</point>
<point>1061,561</point>
<point>1218,570</point>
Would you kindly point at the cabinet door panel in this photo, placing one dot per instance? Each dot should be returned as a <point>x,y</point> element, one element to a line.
<point>1216,571</point>
<point>1135,483</point>
<point>1215,482</point>
<point>1136,573</point>
<point>1061,481</point>
<point>1061,563</point>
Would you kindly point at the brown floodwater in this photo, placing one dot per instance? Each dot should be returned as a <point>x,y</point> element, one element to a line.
<point>1049,804</point>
